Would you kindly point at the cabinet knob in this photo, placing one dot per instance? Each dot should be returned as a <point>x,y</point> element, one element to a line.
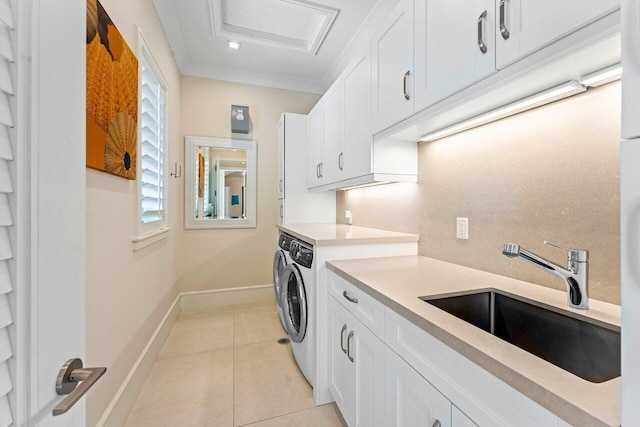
<point>344,328</point>
<point>437,423</point>
<point>404,85</point>
<point>481,21</point>
<point>503,26</point>
<point>349,346</point>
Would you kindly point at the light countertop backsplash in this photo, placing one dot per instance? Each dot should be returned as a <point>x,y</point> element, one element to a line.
<point>551,173</point>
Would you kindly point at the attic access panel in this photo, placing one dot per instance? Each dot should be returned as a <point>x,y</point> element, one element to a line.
<point>287,24</point>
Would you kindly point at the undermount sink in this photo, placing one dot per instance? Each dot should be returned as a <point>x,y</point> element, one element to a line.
<point>587,350</point>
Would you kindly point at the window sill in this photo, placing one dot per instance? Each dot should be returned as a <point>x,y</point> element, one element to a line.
<point>145,240</point>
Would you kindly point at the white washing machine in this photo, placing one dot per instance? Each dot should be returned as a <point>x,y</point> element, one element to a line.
<point>298,288</point>
<point>281,259</point>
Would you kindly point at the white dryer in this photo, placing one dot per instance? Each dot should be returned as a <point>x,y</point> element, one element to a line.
<point>298,288</point>
<point>281,259</point>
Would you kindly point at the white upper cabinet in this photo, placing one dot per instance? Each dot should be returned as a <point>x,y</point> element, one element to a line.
<point>281,158</point>
<point>334,123</point>
<point>355,156</point>
<point>454,47</point>
<point>316,145</point>
<point>393,68</point>
<point>524,26</point>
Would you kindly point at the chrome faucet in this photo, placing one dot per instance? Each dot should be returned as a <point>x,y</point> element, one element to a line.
<point>575,275</point>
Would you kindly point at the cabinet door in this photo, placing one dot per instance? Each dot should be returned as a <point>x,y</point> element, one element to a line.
<point>333,132</point>
<point>523,26</point>
<point>368,354</point>
<point>393,68</point>
<point>281,142</point>
<point>316,145</point>
<point>281,211</point>
<point>455,47</point>
<point>355,157</point>
<point>342,376</point>
<point>459,419</point>
<point>412,400</point>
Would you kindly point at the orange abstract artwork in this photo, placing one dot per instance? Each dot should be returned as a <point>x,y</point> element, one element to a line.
<point>112,96</point>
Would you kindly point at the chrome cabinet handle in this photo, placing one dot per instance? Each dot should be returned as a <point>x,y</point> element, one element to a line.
<point>404,85</point>
<point>344,328</point>
<point>350,299</point>
<point>281,212</point>
<point>437,423</point>
<point>503,26</point>
<point>340,161</point>
<point>349,346</point>
<point>75,381</point>
<point>321,167</point>
<point>280,185</point>
<point>481,21</point>
<point>318,170</point>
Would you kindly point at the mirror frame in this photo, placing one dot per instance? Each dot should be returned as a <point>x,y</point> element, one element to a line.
<point>191,144</point>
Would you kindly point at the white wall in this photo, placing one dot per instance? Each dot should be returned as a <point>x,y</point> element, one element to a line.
<point>128,292</point>
<point>214,259</point>
<point>552,173</point>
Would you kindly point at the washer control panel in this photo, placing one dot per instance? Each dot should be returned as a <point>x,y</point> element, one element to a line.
<point>301,253</point>
<point>284,241</point>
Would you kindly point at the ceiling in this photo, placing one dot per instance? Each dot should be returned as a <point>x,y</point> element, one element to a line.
<point>289,44</point>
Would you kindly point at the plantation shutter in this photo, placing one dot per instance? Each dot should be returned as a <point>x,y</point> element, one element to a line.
<point>7,140</point>
<point>153,146</point>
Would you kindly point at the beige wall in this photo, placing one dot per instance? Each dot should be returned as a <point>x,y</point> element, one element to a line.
<point>129,292</point>
<point>215,259</point>
<point>548,174</point>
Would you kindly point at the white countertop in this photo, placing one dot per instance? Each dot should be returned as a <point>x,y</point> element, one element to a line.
<point>342,234</point>
<point>399,281</point>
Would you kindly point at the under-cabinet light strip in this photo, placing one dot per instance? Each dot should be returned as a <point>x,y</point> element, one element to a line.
<point>533,101</point>
<point>602,77</point>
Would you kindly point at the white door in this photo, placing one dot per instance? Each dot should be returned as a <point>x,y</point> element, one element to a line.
<point>630,276</point>
<point>48,201</point>
<point>281,161</point>
<point>342,379</point>
<point>316,145</point>
<point>355,159</point>
<point>333,132</point>
<point>455,47</point>
<point>393,68</point>
<point>411,400</point>
<point>368,354</point>
<point>524,26</point>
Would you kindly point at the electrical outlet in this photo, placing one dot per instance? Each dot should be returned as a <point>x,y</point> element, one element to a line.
<point>349,216</point>
<point>462,228</point>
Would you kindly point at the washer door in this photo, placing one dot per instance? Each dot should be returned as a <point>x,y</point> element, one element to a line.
<point>279,264</point>
<point>294,303</point>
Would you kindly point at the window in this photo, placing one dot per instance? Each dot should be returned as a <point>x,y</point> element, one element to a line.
<point>152,147</point>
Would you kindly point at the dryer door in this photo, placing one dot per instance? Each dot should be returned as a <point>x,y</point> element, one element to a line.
<point>294,303</point>
<point>279,264</point>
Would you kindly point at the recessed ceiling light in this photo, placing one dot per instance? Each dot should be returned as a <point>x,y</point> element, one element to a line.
<point>233,45</point>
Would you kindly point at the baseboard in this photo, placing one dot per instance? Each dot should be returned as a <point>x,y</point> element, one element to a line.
<point>118,410</point>
<point>220,297</point>
<point>122,403</point>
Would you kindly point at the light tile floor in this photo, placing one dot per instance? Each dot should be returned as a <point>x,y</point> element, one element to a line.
<point>224,367</point>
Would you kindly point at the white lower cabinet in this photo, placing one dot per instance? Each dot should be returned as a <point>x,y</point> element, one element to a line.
<point>356,368</point>
<point>412,400</point>
<point>459,419</point>
<point>401,376</point>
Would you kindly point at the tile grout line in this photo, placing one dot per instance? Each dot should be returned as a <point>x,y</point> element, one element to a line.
<point>280,416</point>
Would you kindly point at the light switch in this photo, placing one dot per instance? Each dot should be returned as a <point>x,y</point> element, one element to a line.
<point>462,228</point>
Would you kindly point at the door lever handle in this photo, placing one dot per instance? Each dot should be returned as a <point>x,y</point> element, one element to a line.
<point>75,381</point>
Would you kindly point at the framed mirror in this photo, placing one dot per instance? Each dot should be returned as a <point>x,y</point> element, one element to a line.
<point>220,183</point>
